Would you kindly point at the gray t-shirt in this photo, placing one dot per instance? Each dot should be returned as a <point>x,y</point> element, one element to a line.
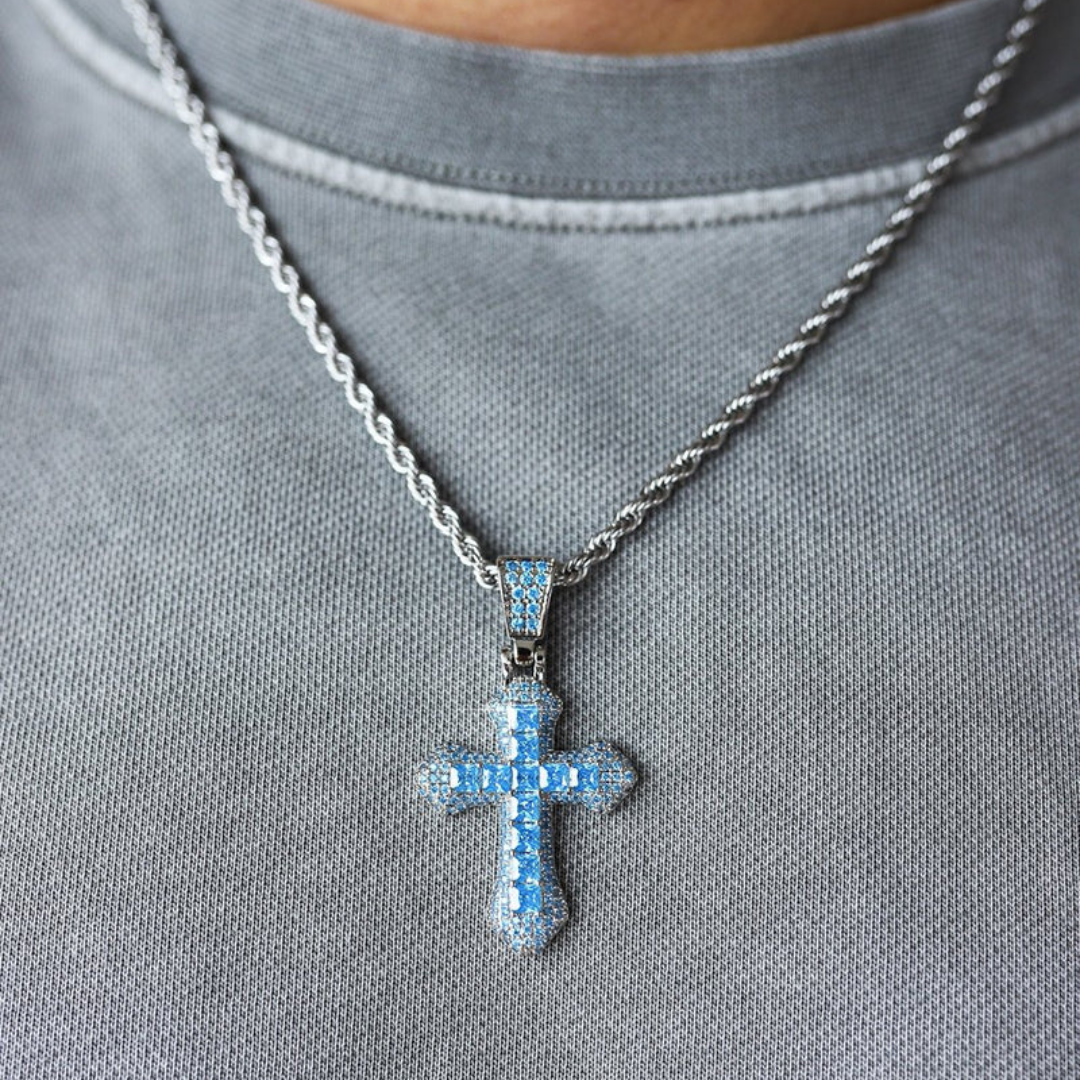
<point>844,659</point>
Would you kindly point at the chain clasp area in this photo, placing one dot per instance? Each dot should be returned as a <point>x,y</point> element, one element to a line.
<point>524,657</point>
<point>525,583</point>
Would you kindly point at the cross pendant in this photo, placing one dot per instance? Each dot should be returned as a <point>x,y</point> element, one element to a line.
<point>527,776</point>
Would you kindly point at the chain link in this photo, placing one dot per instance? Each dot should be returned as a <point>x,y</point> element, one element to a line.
<point>222,167</point>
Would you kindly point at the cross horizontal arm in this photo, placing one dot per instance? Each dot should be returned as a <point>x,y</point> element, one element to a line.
<point>596,777</point>
<point>456,778</point>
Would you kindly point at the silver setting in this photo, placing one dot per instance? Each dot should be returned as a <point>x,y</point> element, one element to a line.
<point>529,661</point>
<point>525,583</point>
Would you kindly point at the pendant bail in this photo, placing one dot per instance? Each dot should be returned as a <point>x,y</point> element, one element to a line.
<point>525,583</point>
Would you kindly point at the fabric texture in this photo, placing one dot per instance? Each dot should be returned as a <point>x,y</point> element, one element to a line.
<point>844,660</point>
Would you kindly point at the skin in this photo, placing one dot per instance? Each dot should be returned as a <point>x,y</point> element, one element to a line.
<point>629,27</point>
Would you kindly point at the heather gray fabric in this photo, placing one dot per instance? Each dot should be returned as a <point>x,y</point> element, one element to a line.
<point>844,659</point>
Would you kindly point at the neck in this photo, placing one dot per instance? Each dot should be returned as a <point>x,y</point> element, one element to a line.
<point>631,26</point>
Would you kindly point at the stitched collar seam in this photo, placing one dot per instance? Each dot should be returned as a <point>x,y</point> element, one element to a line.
<point>430,198</point>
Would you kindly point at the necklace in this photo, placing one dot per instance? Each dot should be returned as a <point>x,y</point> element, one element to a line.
<point>527,776</point>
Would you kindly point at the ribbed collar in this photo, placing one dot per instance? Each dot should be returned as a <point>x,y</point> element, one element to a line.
<point>540,122</point>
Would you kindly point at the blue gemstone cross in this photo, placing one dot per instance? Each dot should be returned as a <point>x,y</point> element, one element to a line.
<point>525,778</point>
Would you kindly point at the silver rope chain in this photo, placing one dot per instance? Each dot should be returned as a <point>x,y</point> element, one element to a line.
<point>222,167</point>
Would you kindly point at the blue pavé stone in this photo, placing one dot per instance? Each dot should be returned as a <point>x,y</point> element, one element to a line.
<point>528,748</point>
<point>528,898</point>
<point>526,719</point>
<point>588,776</point>
<point>528,778</point>
<point>528,809</point>
<point>528,867</point>
<point>499,778</point>
<point>557,775</point>
<point>468,778</point>
<point>528,838</point>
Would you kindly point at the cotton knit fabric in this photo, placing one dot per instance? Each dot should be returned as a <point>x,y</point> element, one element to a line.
<point>844,659</point>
